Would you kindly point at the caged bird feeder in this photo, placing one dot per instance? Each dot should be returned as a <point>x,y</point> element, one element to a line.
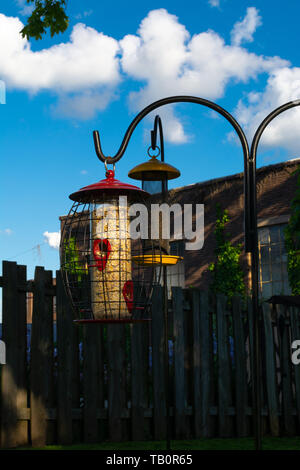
<point>99,258</point>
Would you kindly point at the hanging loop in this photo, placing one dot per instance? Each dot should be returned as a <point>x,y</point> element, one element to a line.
<point>153,149</point>
<point>105,164</point>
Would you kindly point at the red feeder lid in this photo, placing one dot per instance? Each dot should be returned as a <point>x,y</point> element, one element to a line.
<point>109,185</point>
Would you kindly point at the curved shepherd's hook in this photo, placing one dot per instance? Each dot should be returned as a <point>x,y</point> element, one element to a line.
<point>252,158</point>
<point>250,209</point>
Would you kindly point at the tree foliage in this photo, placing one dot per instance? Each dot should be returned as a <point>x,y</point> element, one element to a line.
<point>292,241</point>
<point>228,276</point>
<point>46,14</point>
<point>72,262</point>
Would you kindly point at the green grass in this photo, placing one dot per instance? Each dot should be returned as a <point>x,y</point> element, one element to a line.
<point>270,443</point>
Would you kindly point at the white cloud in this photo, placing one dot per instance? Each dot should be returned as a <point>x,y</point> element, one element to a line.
<point>170,62</point>
<point>83,105</point>
<point>85,14</point>
<point>88,60</point>
<point>7,231</point>
<point>52,238</point>
<point>214,3</point>
<point>24,8</point>
<point>83,172</point>
<point>162,58</point>
<point>83,72</point>
<point>243,30</point>
<point>283,85</point>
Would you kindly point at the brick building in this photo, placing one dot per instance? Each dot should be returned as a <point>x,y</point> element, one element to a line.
<point>276,186</point>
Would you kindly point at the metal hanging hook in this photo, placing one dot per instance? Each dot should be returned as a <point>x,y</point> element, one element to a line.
<point>163,102</point>
<point>155,148</point>
<point>105,164</point>
<point>158,128</point>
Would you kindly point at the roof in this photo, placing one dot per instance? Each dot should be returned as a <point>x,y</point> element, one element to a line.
<point>224,179</point>
<point>261,170</point>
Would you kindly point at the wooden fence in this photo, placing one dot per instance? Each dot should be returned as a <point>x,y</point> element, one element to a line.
<point>94,383</point>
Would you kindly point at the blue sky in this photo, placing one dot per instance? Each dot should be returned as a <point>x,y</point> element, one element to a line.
<point>115,58</point>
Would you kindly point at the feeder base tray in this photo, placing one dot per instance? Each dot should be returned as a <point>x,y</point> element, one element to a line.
<point>165,260</point>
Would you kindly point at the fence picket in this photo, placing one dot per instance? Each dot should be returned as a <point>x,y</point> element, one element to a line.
<point>116,380</point>
<point>158,369</point>
<point>139,371</point>
<point>295,335</point>
<point>41,366</point>
<point>99,347</point>
<point>9,375</point>
<point>286,379</point>
<point>206,371</point>
<point>64,325</point>
<point>224,369</point>
<point>240,369</point>
<point>272,389</point>
<point>21,339</point>
<point>181,430</point>
<point>194,297</point>
<point>90,383</point>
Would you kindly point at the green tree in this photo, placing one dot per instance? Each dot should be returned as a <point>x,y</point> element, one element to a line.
<point>292,241</point>
<point>228,276</point>
<point>46,14</point>
<point>72,262</point>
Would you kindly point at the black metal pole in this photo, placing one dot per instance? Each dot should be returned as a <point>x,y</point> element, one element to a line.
<point>253,244</point>
<point>256,363</point>
<point>164,188</point>
<point>167,366</point>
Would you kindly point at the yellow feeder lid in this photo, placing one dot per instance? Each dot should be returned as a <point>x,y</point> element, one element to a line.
<point>154,170</point>
<point>153,259</point>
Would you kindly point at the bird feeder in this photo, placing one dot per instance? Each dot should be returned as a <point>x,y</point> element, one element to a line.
<point>158,171</point>
<point>102,279</point>
<point>154,170</point>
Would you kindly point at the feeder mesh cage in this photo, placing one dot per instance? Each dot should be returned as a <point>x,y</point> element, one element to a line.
<point>102,265</point>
